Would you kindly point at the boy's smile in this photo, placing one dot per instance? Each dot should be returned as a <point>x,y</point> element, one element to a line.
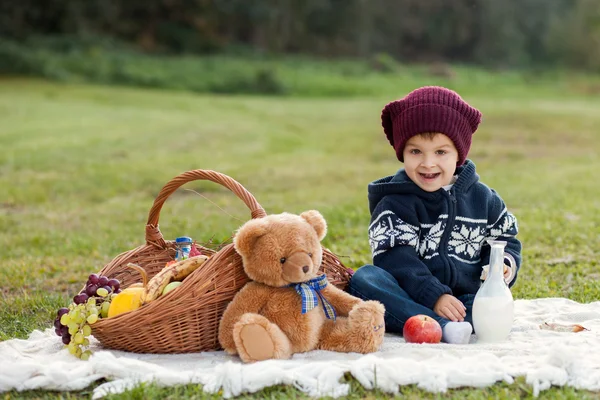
<point>430,160</point>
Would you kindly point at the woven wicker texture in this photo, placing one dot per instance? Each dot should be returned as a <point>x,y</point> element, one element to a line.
<point>187,318</point>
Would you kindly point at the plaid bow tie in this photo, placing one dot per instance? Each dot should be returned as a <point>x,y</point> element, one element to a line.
<point>309,291</point>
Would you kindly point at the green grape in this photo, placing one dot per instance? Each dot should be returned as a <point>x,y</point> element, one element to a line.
<point>65,319</point>
<point>104,309</point>
<point>72,348</point>
<point>78,338</point>
<point>77,318</point>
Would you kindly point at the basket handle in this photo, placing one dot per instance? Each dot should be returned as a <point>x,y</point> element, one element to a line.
<point>153,234</point>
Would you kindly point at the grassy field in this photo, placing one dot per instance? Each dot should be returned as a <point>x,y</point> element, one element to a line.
<point>81,166</point>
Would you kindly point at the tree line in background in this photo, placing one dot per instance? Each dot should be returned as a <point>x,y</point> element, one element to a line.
<point>496,33</point>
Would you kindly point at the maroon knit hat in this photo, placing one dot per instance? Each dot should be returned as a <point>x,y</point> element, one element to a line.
<point>430,109</point>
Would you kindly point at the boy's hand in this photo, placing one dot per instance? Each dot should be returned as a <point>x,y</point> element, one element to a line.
<point>450,307</point>
<point>507,273</point>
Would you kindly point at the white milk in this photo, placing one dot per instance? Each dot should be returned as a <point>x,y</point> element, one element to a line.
<point>492,318</point>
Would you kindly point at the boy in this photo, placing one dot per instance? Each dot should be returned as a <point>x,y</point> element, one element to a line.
<point>430,221</point>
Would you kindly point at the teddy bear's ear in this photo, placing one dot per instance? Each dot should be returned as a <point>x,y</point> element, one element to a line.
<point>316,220</point>
<point>246,236</point>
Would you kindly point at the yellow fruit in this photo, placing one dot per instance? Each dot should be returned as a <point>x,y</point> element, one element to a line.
<point>128,300</point>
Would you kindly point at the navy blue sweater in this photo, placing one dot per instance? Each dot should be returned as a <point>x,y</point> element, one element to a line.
<point>435,242</point>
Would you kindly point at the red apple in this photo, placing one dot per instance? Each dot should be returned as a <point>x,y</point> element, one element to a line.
<point>422,329</point>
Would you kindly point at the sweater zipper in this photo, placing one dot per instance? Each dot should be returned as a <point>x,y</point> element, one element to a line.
<point>446,236</point>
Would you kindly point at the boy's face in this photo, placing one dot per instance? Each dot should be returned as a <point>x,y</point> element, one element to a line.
<point>430,162</point>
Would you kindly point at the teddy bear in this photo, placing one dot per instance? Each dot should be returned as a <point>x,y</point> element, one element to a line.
<point>288,306</point>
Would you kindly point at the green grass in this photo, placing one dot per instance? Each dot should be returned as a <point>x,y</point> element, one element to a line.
<point>81,166</point>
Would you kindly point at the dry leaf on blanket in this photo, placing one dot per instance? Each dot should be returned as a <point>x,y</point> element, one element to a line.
<point>562,327</point>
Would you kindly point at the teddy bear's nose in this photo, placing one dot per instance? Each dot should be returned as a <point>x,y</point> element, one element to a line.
<point>305,269</point>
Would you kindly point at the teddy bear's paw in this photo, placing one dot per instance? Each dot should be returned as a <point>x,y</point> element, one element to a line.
<point>258,339</point>
<point>375,306</point>
<point>257,343</point>
<point>368,317</point>
<point>367,313</point>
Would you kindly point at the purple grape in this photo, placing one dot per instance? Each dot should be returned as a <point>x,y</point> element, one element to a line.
<point>57,323</point>
<point>58,332</point>
<point>103,281</point>
<point>80,298</point>
<point>66,339</point>
<point>64,330</point>
<point>93,278</point>
<point>90,290</point>
<point>114,283</point>
<point>117,291</point>
<point>61,312</point>
<point>108,288</point>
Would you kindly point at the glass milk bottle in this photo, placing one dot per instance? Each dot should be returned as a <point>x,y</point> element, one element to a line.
<point>493,307</point>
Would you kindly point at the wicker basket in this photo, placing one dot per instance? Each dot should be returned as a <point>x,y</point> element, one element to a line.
<point>185,319</point>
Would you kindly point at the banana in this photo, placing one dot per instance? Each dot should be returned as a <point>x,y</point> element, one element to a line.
<point>172,272</point>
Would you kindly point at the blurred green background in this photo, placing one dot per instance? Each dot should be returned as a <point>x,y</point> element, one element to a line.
<point>294,47</point>
<point>103,102</point>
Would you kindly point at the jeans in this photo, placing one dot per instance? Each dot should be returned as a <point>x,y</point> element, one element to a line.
<point>373,283</point>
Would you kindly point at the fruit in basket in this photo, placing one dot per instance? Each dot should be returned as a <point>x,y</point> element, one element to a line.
<point>171,286</point>
<point>172,272</point>
<point>128,300</point>
<point>138,294</point>
<point>72,323</point>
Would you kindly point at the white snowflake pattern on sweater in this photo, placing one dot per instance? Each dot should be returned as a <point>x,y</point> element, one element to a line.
<point>466,239</point>
<point>430,240</point>
<point>464,243</point>
<point>504,227</point>
<point>387,231</point>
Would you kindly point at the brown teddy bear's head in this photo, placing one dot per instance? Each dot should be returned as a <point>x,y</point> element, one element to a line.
<point>281,249</point>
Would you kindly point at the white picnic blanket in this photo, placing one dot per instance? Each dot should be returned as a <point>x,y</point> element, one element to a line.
<point>544,357</point>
